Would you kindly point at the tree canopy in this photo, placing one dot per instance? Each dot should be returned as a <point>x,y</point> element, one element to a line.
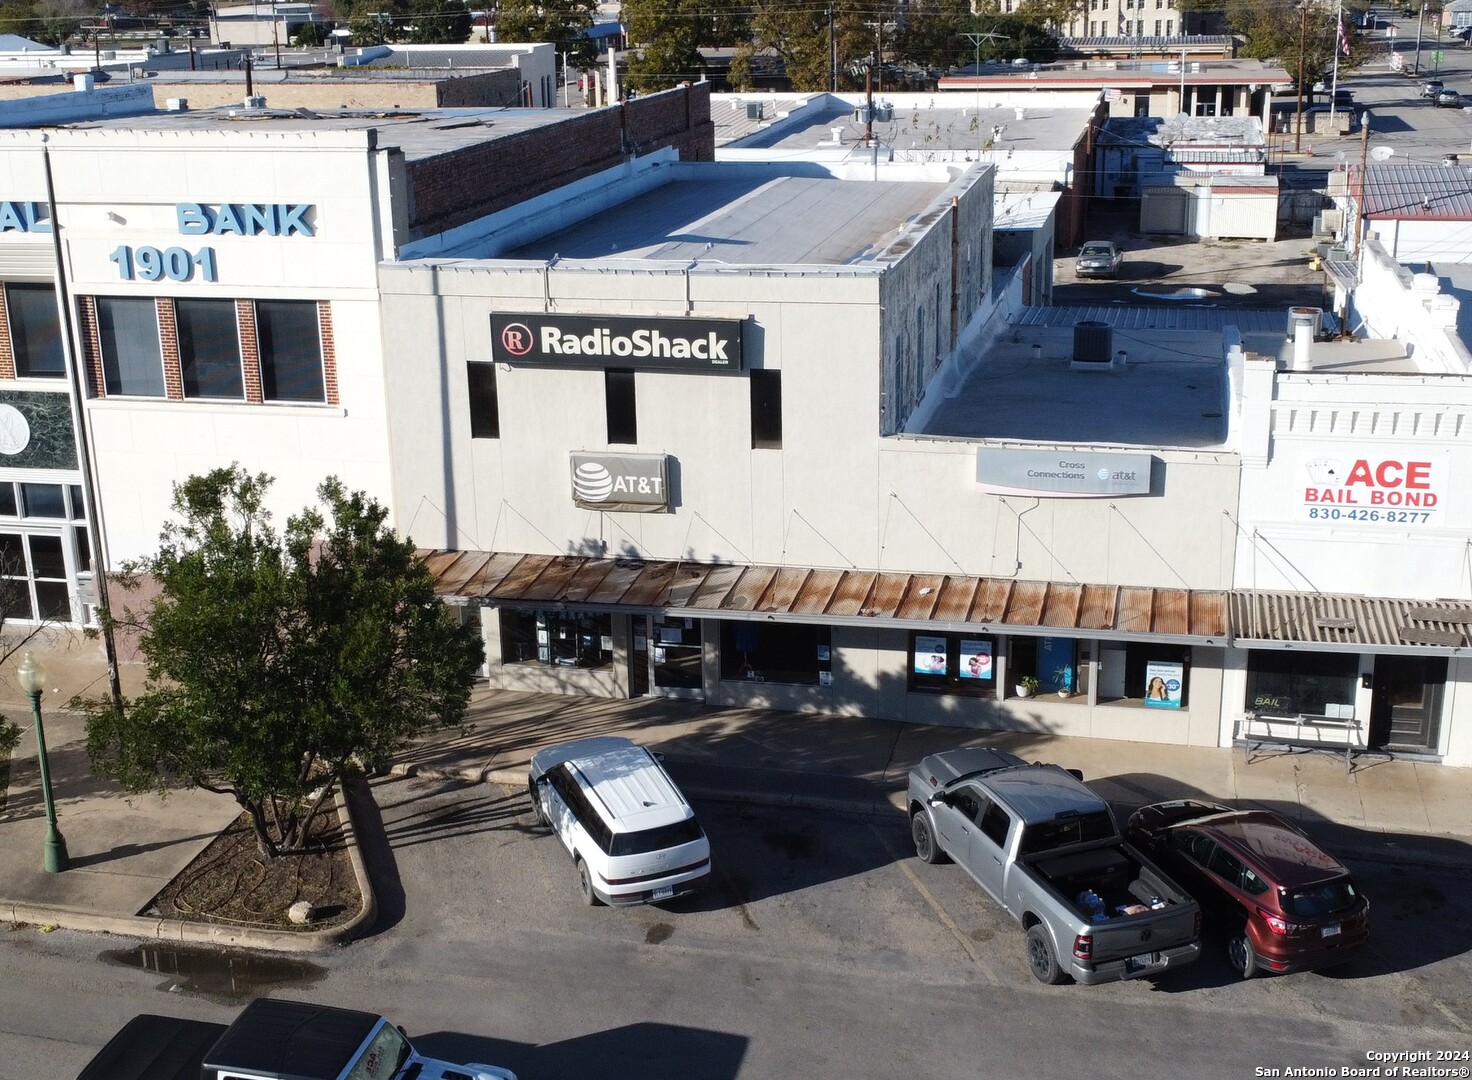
<point>560,22</point>
<point>278,664</point>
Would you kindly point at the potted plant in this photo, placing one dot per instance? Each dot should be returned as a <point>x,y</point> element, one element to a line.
<point>1026,686</point>
<point>1063,679</point>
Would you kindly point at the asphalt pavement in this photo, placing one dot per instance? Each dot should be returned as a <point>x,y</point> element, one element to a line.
<point>124,850</point>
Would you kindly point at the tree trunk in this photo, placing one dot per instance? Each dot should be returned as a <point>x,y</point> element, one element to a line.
<point>268,848</point>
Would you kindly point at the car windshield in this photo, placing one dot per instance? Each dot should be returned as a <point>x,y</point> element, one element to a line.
<point>1096,249</point>
<point>383,1056</point>
<point>647,840</point>
<point>1325,899</point>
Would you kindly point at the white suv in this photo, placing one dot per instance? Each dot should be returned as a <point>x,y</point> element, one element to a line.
<point>631,834</point>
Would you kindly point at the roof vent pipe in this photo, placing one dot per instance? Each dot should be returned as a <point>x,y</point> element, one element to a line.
<point>1303,347</point>
<point>82,83</point>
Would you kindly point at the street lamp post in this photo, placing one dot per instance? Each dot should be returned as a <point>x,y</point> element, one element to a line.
<point>31,674</point>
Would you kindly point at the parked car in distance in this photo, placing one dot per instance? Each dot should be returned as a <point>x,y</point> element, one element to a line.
<point>630,833</point>
<point>1447,98</point>
<point>1343,97</point>
<point>1430,88</point>
<point>1098,258</point>
<point>1283,903</point>
<point>1408,12</point>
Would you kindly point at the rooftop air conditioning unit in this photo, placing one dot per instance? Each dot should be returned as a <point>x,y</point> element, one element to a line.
<point>884,112</point>
<point>753,110</point>
<point>1311,317</point>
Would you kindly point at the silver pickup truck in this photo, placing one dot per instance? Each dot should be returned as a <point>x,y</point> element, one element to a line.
<point>1046,848</point>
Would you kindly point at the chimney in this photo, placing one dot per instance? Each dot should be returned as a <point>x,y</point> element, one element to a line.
<point>82,83</point>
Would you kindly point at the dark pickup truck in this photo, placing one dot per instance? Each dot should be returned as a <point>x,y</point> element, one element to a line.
<point>273,1040</point>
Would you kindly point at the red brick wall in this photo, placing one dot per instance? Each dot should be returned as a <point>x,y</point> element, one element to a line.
<point>250,351</point>
<point>451,189</point>
<point>97,386</point>
<point>168,335</point>
<point>329,351</point>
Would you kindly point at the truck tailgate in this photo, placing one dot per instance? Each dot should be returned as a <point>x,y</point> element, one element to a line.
<point>150,1047</point>
<point>1147,932</point>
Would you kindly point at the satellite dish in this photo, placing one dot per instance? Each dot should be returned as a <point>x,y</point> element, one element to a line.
<point>1383,153</point>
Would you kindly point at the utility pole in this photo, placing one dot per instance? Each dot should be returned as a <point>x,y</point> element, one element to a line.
<point>832,53</point>
<point>1298,111</point>
<point>1420,22</point>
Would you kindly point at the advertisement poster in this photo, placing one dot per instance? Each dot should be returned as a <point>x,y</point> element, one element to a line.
<point>976,659</point>
<point>930,655</point>
<point>1163,684</point>
<point>1346,489</point>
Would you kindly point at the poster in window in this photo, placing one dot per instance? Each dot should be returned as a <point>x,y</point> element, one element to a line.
<point>823,653</point>
<point>825,678</point>
<point>930,655</point>
<point>976,659</point>
<point>1163,684</point>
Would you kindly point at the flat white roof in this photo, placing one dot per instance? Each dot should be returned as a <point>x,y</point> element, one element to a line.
<point>746,218</point>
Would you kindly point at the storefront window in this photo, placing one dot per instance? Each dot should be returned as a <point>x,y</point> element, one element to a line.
<point>1284,683</point>
<point>776,652</point>
<point>556,638</point>
<point>1155,674</point>
<point>677,653</point>
<point>1053,661</point>
<point>953,663</point>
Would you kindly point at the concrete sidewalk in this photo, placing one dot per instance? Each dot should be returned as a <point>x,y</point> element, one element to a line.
<point>125,850</point>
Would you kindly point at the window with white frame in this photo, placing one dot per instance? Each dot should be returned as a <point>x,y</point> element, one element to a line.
<point>45,557</point>
<point>35,330</point>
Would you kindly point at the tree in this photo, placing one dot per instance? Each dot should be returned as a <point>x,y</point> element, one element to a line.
<point>1273,32</point>
<point>667,36</point>
<point>439,22</point>
<point>561,22</point>
<point>278,665</point>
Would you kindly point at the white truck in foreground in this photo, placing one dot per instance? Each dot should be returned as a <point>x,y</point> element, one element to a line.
<point>1046,848</point>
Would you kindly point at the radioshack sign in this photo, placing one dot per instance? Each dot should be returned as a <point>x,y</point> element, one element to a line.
<point>603,341</point>
<point>631,483</point>
<point>1404,489</point>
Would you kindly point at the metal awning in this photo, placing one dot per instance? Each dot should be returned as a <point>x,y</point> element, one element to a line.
<point>851,597</point>
<point>1347,623</point>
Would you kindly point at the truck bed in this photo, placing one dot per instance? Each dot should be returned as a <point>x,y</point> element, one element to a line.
<point>150,1047</point>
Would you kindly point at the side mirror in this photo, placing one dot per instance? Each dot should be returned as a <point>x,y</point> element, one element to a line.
<point>939,798</point>
<point>658,756</point>
<point>1077,774</point>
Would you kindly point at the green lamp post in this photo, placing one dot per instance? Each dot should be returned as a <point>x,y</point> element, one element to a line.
<point>31,674</point>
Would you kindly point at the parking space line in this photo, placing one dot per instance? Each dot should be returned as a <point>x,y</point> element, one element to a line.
<point>903,862</point>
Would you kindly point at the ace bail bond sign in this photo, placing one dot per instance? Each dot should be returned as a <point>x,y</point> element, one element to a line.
<point>1406,489</point>
<point>702,346</point>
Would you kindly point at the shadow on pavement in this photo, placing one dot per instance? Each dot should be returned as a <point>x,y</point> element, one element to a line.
<point>631,1052</point>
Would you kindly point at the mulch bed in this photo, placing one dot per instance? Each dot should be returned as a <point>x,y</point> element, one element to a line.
<point>229,882</point>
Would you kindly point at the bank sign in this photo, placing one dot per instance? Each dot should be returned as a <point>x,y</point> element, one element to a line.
<point>1349,489</point>
<point>602,341</point>
<point>630,483</point>
<point>1077,474</point>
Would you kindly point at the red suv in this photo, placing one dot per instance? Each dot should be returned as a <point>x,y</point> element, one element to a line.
<point>1283,903</point>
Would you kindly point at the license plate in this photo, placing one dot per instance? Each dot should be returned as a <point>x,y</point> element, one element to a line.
<point>1143,962</point>
<point>664,892</point>
<point>1330,930</point>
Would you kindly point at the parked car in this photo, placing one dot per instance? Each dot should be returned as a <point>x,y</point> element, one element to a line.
<point>1408,12</point>
<point>1282,902</point>
<point>1098,258</point>
<point>1448,98</point>
<point>631,835</point>
<point>1343,97</point>
<point>1430,88</point>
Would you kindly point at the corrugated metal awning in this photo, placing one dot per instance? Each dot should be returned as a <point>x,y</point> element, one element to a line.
<point>1342,623</point>
<point>856,597</point>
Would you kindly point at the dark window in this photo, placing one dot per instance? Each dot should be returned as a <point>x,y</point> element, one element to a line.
<point>485,415</point>
<point>132,364</point>
<point>952,663</point>
<point>677,653</point>
<point>796,653</point>
<point>1073,829</point>
<point>43,500</point>
<point>290,346</point>
<point>618,389</point>
<point>1144,683</point>
<point>1226,866</point>
<point>209,349</point>
<point>1052,661</point>
<point>647,840</point>
<point>84,551</point>
<point>995,824</point>
<point>551,638</point>
<point>766,410</point>
<point>7,500</point>
<point>966,803</point>
<point>46,558</point>
<point>1283,683</point>
<point>1325,899</point>
<point>35,331</point>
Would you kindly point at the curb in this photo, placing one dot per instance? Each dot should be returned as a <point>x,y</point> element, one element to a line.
<point>205,933</point>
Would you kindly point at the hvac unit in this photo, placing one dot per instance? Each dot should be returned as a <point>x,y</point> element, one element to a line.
<point>1311,317</point>
<point>753,110</point>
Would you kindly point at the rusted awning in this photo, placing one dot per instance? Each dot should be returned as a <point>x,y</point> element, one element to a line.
<point>1349,623</point>
<point>853,597</point>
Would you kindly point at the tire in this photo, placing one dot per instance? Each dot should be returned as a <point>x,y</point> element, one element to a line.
<point>926,849</point>
<point>539,816</point>
<point>1241,955</point>
<point>585,885</point>
<point>1040,958</point>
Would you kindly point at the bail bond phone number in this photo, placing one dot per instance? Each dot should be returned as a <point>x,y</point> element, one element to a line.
<point>1391,517</point>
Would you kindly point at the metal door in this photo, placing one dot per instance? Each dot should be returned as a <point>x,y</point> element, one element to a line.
<point>1405,711</point>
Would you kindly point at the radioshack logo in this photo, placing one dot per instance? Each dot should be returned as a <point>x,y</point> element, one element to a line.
<point>592,482</point>
<point>517,339</point>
